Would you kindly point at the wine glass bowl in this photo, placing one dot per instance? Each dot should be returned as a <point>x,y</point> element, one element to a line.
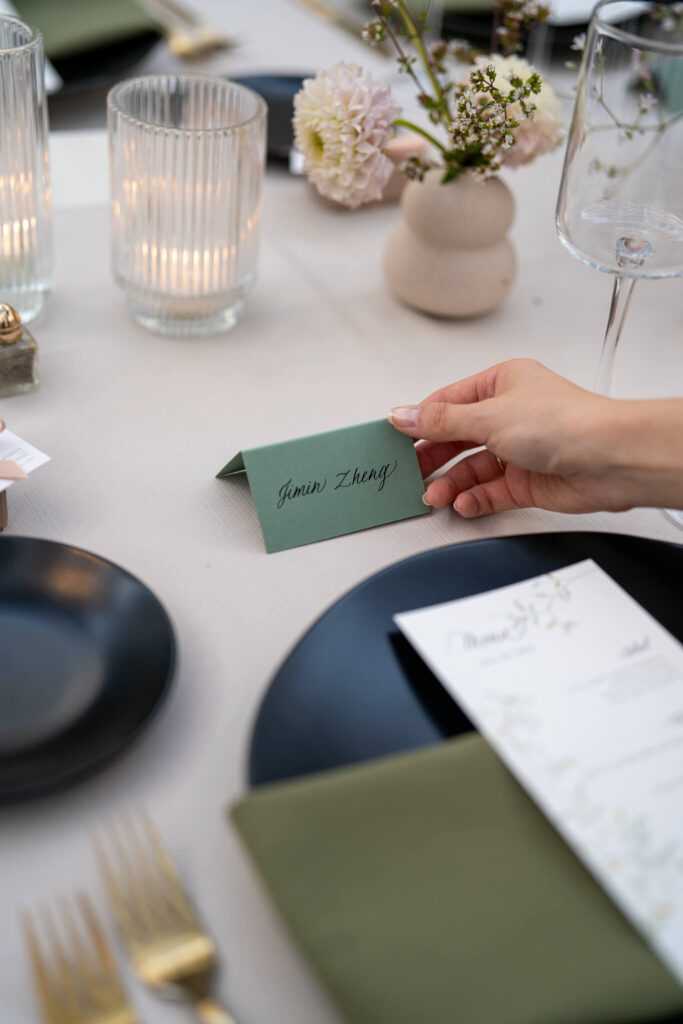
<point>620,207</point>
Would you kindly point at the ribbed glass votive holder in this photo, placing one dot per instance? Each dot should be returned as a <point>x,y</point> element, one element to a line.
<point>25,200</point>
<point>187,155</point>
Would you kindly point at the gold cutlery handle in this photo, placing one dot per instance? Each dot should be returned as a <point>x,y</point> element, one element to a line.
<point>211,1013</point>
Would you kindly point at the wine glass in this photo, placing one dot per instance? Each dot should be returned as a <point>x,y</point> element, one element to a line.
<point>620,207</point>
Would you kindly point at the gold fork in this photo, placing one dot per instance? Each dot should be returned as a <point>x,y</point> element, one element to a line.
<point>167,944</point>
<point>81,986</point>
<point>187,35</point>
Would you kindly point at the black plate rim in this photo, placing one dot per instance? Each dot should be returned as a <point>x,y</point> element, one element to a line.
<point>406,561</point>
<point>70,777</point>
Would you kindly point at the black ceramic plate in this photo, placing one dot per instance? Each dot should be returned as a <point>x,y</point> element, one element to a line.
<point>354,689</point>
<point>86,657</point>
<point>278,91</point>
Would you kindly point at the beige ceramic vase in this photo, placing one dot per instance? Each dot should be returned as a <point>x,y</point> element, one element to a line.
<point>449,254</point>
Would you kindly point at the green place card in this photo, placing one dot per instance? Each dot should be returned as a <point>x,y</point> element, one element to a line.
<point>329,484</point>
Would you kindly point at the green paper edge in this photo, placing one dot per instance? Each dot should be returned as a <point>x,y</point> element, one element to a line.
<point>236,465</point>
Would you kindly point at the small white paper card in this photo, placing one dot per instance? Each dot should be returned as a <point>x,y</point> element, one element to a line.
<point>580,692</point>
<point>21,452</point>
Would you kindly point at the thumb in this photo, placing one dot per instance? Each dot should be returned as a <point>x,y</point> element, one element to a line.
<point>439,421</point>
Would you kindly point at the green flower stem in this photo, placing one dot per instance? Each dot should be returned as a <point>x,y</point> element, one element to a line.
<point>402,57</point>
<point>638,129</point>
<point>420,131</point>
<point>416,39</point>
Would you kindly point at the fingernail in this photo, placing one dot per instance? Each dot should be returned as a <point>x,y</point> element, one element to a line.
<point>404,415</point>
<point>425,500</point>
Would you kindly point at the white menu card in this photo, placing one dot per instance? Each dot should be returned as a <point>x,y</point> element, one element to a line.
<point>580,692</point>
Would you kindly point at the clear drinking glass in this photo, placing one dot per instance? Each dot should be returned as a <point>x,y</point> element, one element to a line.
<point>187,154</point>
<point>25,199</point>
<point>620,207</point>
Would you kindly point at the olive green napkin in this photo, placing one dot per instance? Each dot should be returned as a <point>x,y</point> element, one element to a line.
<point>428,889</point>
<point>70,27</point>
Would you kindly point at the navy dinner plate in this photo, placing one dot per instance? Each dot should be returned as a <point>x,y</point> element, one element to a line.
<point>86,658</point>
<point>353,689</point>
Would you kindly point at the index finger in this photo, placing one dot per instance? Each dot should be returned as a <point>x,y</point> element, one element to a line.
<point>432,455</point>
<point>471,389</point>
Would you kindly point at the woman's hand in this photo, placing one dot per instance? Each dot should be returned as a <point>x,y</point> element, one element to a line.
<point>550,444</point>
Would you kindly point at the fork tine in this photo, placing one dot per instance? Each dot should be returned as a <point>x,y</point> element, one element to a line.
<point>110,984</point>
<point>65,972</point>
<point>81,964</point>
<point>140,877</point>
<point>117,896</point>
<point>76,985</point>
<point>47,995</point>
<point>98,983</point>
<point>174,889</point>
<point>101,947</point>
<point>147,865</point>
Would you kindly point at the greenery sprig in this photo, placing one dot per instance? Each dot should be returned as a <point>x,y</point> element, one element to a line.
<point>477,115</point>
<point>484,120</point>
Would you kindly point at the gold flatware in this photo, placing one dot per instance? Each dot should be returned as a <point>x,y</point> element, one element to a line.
<point>77,982</point>
<point>191,45</point>
<point>333,15</point>
<point>167,945</point>
<point>187,35</point>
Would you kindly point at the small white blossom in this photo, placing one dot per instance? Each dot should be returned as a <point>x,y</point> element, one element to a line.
<point>342,122</point>
<point>535,134</point>
<point>579,42</point>
<point>372,33</point>
<point>646,101</point>
<point>638,67</point>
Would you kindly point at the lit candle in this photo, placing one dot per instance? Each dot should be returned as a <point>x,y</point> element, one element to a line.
<point>186,199</point>
<point>25,220</point>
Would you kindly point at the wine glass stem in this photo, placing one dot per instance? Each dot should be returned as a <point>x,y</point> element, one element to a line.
<point>621,298</point>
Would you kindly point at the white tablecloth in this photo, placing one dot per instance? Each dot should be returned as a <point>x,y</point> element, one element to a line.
<point>137,426</point>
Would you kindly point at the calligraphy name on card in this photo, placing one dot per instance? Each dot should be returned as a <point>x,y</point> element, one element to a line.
<point>332,483</point>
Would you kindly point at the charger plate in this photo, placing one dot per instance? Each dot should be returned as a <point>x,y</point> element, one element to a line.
<point>86,658</point>
<point>353,689</point>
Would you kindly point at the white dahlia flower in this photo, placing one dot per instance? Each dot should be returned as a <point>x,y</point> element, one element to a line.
<point>342,122</point>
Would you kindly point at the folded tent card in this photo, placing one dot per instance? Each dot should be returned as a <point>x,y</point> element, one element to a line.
<point>333,483</point>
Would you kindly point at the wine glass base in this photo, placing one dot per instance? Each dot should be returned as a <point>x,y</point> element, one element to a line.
<point>675,515</point>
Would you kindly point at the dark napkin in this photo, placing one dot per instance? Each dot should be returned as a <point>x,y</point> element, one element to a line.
<point>87,38</point>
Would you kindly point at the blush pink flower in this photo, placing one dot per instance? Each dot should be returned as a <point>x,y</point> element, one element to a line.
<point>342,122</point>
